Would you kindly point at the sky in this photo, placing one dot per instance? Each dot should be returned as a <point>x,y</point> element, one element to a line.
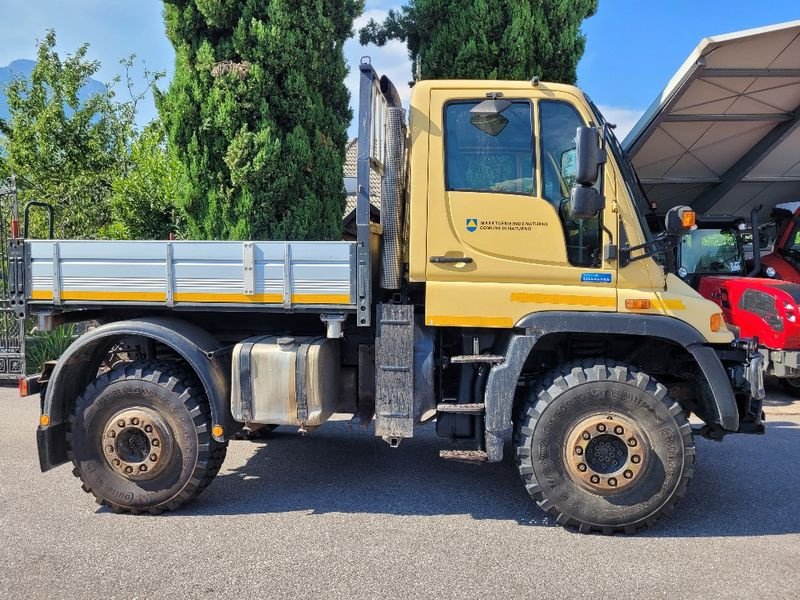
<point>633,46</point>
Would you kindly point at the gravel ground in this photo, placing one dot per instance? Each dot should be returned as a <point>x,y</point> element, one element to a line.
<point>339,514</point>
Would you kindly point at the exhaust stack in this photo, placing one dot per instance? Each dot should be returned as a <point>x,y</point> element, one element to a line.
<point>393,198</point>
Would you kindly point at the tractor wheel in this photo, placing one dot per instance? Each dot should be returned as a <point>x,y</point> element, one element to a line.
<point>792,385</point>
<point>602,447</point>
<point>140,438</point>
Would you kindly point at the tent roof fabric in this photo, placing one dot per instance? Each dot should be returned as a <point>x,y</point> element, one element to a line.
<point>724,135</point>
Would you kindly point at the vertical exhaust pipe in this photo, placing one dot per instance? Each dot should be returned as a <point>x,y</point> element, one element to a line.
<point>393,199</point>
<point>756,243</point>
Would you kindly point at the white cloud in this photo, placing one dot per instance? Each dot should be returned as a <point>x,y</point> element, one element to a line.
<point>623,118</point>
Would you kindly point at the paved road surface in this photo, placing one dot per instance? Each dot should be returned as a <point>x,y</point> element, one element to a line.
<point>341,515</point>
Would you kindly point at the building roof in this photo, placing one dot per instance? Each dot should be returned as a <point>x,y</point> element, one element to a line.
<point>724,135</point>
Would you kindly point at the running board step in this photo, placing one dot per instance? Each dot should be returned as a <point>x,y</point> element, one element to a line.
<point>465,456</point>
<point>493,359</point>
<point>461,409</point>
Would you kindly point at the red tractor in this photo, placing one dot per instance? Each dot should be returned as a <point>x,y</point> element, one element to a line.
<point>784,260</point>
<point>711,259</point>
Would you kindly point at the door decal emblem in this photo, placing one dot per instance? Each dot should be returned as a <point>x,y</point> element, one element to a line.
<point>596,277</point>
<point>472,224</point>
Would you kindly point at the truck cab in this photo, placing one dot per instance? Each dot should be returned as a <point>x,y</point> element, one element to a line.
<point>511,292</point>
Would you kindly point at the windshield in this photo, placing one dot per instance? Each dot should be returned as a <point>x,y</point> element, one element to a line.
<point>793,241</point>
<point>711,251</point>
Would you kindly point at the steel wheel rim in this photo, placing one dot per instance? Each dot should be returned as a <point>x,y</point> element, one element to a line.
<point>136,443</point>
<point>606,453</point>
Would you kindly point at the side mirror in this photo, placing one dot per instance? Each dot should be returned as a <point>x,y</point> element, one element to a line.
<point>588,156</point>
<point>680,219</point>
<point>585,202</point>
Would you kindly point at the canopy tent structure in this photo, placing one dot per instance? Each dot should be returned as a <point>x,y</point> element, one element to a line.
<point>724,135</point>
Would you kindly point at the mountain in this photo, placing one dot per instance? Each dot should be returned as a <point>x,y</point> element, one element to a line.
<point>24,68</point>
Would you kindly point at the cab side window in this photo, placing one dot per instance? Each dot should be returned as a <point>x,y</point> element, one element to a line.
<point>558,124</point>
<point>489,152</point>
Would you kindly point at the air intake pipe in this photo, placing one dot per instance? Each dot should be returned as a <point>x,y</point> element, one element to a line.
<point>756,243</point>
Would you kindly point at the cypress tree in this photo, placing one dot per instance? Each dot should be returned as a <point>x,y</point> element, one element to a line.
<point>488,39</point>
<point>257,113</point>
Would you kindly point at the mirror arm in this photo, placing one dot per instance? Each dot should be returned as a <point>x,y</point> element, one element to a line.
<point>663,242</point>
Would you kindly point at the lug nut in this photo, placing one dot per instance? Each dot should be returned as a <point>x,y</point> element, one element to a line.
<point>627,474</point>
<point>612,482</point>
<point>156,443</point>
<point>143,468</point>
<point>134,421</point>
<point>148,428</point>
<point>581,467</point>
<point>579,451</point>
<point>153,458</point>
<point>601,427</point>
<point>586,435</point>
<point>635,459</point>
<point>116,462</point>
<point>109,448</point>
<point>121,423</point>
<point>129,470</point>
<point>632,442</point>
<point>595,479</point>
<point>619,430</point>
<point>112,434</point>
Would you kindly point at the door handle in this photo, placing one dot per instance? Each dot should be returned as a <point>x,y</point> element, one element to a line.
<point>449,260</point>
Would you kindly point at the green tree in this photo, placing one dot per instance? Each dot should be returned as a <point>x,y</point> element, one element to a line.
<point>76,146</point>
<point>258,113</point>
<point>142,198</point>
<point>63,148</point>
<point>488,39</point>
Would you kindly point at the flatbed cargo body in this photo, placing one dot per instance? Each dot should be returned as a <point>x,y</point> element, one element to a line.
<point>190,274</point>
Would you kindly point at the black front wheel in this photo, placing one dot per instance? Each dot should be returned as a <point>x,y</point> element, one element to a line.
<point>140,438</point>
<point>602,447</point>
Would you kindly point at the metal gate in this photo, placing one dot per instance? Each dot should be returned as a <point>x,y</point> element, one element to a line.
<point>12,329</point>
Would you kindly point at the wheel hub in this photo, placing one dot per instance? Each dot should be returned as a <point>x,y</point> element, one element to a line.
<point>136,443</point>
<point>606,453</point>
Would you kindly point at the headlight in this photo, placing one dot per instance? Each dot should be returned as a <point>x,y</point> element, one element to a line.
<point>770,271</point>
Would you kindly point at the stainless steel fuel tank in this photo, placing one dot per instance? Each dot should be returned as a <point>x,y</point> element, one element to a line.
<point>285,380</point>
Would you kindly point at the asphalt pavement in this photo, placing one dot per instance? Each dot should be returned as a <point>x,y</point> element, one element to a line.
<point>339,514</point>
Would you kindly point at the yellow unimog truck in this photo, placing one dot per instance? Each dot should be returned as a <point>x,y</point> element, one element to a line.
<point>511,292</point>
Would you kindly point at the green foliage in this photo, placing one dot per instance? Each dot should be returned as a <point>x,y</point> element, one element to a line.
<point>42,346</point>
<point>142,197</point>
<point>257,113</point>
<point>488,39</point>
<point>73,151</point>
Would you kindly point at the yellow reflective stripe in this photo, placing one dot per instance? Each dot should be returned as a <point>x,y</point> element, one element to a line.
<point>462,321</point>
<point>565,299</point>
<point>320,299</point>
<point>665,304</point>
<point>192,297</point>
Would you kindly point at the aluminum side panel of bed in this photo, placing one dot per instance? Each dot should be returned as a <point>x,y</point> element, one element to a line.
<point>285,275</point>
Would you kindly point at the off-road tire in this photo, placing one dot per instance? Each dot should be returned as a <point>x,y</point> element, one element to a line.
<point>576,391</point>
<point>175,395</point>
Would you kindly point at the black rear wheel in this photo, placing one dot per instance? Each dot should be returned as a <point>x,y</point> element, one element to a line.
<point>602,447</point>
<point>140,438</point>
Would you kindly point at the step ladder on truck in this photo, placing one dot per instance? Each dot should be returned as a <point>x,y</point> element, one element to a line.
<point>511,291</point>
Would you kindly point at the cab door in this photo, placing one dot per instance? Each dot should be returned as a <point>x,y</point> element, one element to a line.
<point>500,240</point>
